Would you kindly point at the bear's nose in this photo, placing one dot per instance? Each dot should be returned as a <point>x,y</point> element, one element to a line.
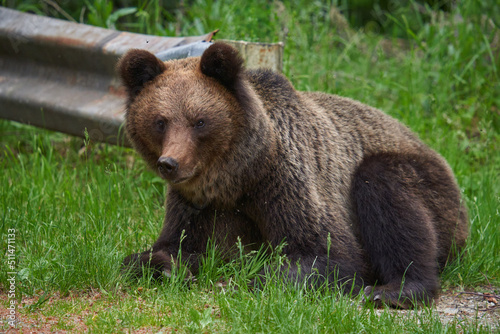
<point>167,165</point>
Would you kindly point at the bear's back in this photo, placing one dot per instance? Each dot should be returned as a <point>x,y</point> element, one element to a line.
<point>327,137</point>
<point>334,132</point>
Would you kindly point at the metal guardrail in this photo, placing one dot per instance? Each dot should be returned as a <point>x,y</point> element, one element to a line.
<point>61,75</point>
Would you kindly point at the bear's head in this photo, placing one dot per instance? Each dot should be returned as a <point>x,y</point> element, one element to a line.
<point>185,115</point>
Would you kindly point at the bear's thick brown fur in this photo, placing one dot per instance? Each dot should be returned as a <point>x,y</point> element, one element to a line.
<point>246,155</point>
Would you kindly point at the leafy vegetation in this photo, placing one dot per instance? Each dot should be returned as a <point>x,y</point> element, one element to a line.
<point>79,207</point>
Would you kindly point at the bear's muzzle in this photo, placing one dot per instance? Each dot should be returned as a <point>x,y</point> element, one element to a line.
<point>168,167</point>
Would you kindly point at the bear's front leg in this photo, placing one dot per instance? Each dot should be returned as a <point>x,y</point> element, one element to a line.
<point>185,234</point>
<point>178,243</point>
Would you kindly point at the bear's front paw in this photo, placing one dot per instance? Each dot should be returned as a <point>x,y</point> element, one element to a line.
<point>136,264</point>
<point>167,272</point>
<point>158,262</point>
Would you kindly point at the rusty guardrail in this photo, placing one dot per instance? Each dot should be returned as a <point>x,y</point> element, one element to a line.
<point>61,75</point>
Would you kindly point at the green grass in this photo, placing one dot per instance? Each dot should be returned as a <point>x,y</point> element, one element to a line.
<point>77,212</point>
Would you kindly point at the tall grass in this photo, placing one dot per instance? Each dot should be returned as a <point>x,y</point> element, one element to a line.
<point>79,207</point>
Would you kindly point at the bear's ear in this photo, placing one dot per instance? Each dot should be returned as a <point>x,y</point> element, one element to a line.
<point>223,63</point>
<point>137,68</point>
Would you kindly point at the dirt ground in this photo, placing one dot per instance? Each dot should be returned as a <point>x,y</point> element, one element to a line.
<point>451,305</point>
<point>482,304</point>
<point>466,305</point>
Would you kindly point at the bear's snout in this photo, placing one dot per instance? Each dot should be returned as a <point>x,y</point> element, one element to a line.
<point>168,166</point>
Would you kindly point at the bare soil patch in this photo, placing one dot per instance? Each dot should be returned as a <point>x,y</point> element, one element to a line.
<point>469,305</point>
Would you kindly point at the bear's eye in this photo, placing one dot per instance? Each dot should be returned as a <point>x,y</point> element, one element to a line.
<point>160,125</point>
<point>199,124</point>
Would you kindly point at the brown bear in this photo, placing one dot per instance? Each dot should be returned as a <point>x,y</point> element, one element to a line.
<point>351,191</point>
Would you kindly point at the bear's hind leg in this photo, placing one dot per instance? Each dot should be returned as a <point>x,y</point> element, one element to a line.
<point>396,231</point>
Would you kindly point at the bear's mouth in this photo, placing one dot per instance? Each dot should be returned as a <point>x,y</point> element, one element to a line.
<point>180,180</point>
<point>185,179</point>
